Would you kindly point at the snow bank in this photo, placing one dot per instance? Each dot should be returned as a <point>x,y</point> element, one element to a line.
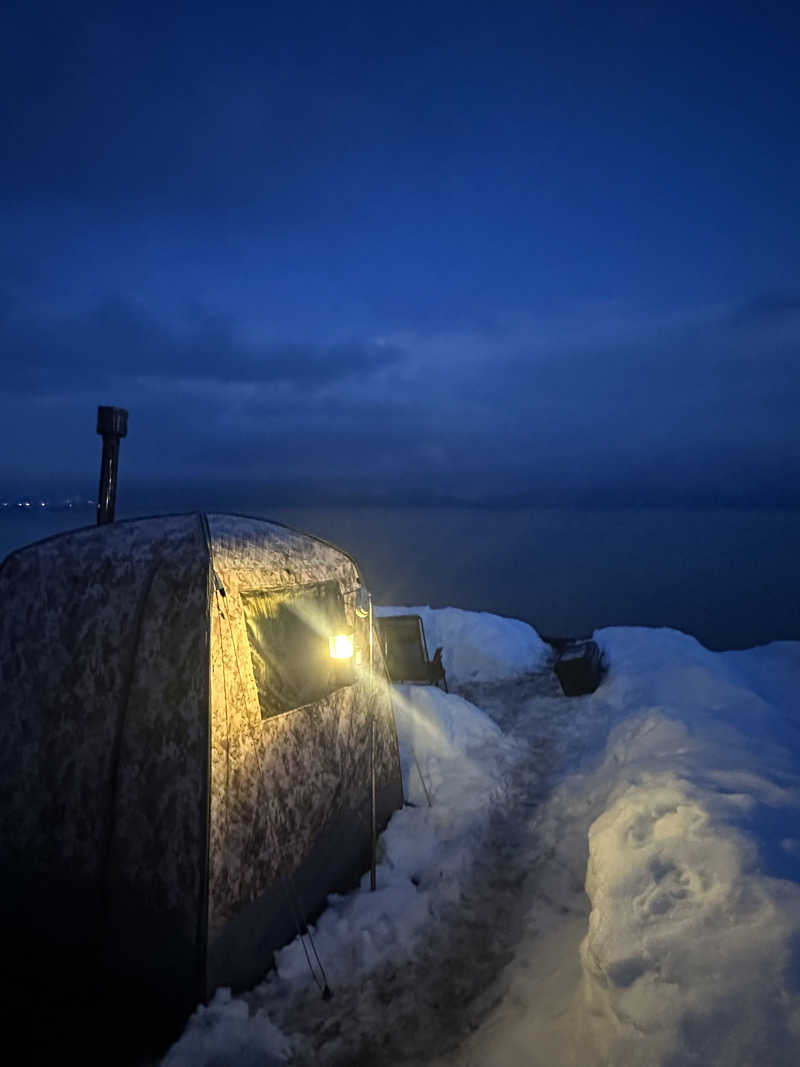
<point>694,863</point>
<point>454,756</point>
<point>691,950</point>
<point>478,646</point>
<point>691,940</point>
<point>686,825</point>
<point>224,1032</point>
<point>691,953</point>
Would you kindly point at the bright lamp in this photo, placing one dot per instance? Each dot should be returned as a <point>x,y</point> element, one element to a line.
<point>341,646</point>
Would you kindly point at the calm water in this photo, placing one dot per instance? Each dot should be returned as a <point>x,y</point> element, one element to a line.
<point>730,577</point>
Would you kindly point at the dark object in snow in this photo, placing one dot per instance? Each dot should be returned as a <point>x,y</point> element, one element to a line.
<point>560,643</point>
<point>436,669</point>
<point>185,767</point>
<point>580,668</point>
<point>405,651</point>
<point>112,425</point>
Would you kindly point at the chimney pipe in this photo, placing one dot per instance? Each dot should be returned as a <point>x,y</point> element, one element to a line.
<point>112,424</point>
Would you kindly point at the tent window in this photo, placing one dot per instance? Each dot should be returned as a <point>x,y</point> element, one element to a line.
<point>288,631</point>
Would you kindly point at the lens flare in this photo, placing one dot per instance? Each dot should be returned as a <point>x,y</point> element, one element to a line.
<point>341,646</point>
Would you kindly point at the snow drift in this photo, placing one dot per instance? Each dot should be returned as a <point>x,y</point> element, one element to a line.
<point>684,947</point>
<point>693,865</point>
<point>478,646</point>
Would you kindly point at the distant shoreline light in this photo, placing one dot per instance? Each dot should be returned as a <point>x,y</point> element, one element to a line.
<point>26,504</point>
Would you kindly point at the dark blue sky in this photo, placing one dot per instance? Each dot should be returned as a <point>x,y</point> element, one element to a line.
<point>461,247</point>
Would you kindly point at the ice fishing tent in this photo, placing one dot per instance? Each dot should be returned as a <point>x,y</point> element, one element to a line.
<point>185,771</point>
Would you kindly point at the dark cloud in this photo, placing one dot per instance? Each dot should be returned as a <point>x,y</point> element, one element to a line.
<point>120,342</point>
<point>702,403</point>
<point>770,307</point>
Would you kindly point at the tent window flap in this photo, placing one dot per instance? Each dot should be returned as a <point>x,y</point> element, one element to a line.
<point>288,631</point>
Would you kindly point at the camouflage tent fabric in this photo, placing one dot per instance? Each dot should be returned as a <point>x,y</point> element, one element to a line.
<point>152,818</point>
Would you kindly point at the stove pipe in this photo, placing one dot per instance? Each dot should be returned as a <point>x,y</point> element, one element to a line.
<point>112,424</point>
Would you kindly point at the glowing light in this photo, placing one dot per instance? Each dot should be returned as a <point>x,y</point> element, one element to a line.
<point>341,646</point>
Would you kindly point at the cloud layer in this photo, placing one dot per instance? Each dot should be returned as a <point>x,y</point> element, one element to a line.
<point>602,399</point>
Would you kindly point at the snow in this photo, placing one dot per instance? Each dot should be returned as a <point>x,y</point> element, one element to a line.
<point>694,927</point>
<point>684,826</point>
<point>612,879</point>
<point>424,849</point>
<point>478,646</point>
<point>224,1031</point>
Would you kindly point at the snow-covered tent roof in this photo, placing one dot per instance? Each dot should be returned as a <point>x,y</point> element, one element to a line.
<point>168,794</point>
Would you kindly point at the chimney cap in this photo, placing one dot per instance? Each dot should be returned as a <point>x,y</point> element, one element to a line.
<point>112,420</point>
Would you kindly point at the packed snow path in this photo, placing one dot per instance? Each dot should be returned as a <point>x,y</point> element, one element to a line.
<point>425,1006</point>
